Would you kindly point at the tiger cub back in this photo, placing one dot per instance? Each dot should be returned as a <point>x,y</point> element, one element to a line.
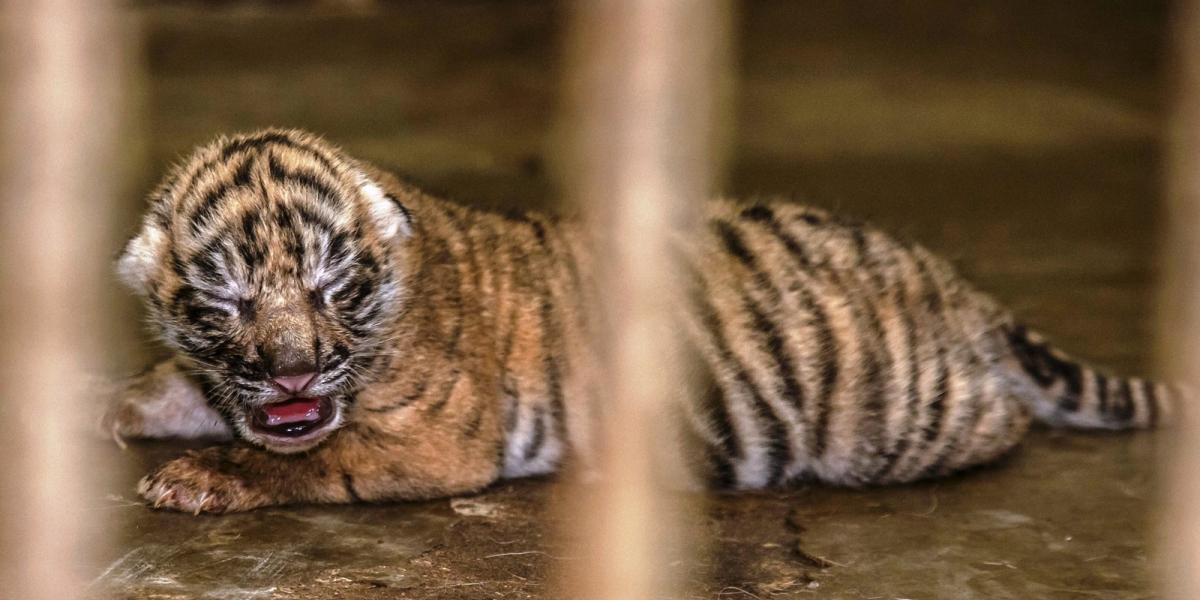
<point>835,352</point>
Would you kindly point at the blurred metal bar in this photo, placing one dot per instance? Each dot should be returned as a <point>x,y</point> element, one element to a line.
<point>58,89</point>
<point>643,83</point>
<point>1180,309</point>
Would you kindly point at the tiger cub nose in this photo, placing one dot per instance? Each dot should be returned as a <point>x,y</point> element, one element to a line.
<point>290,366</point>
<point>294,383</point>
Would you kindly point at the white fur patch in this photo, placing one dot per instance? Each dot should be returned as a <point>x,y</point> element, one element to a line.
<point>392,219</point>
<point>138,261</point>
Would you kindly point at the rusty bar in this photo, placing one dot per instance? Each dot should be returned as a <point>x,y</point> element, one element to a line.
<point>1180,310</point>
<point>642,113</point>
<point>59,91</point>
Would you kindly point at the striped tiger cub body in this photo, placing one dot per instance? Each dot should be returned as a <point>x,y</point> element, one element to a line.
<point>362,340</point>
<point>839,353</point>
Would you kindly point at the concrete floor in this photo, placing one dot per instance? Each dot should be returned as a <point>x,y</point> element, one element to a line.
<point>1019,138</point>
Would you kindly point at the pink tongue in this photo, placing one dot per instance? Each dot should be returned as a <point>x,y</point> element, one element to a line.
<point>293,411</point>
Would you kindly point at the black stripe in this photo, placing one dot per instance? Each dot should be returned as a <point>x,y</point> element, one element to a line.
<point>937,404</point>
<point>812,218</point>
<point>199,217</point>
<point>873,428</point>
<point>861,250</point>
<point>455,300</point>
<point>783,369</point>
<point>282,139</point>
<point>1045,368</point>
<point>225,409</point>
<point>711,402</point>
<point>1151,402</point>
<point>553,373</point>
<point>241,176</point>
<point>354,293</point>
<point>510,334</point>
<point>442,268</point>
<point>474,421</point>
<point>348,483</point>
<point>758,212</point>
<point>311,217</point>
<point>722,476</point>
<point>551,338</point>
<point>539,230</point>
<point>254,141</point>
<point>777,446</point>
<point>912,390</point>
<point>819,320</point>
<point>1101,393</point>
<point>733,243</point>
<point>418,391</point>
<point>310,179</point>
<point>444,399</point>
<point>161,212</point>
<point>964,427</point>
<point>512,404</point>
<point>775,345</point>
<point>763,214</point>
<point>736,246</point>
<point>1123,408</point>
<point>703,458</point>
<point>252,252</point>
<point>250,220</point>
<point>471,262</point>
<point>829,366</point>
<point>875,365</point>
<point>404,212</point>
<point>208,204</point>
<point>534,447</point>
<point>935,407</point>
<point>204,260</point>
<point>785,366</point>
<point>233,147</point>
<point>933,291</point>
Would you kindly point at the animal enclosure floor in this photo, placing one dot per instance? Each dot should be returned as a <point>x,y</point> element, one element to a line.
<point>1019,138</point>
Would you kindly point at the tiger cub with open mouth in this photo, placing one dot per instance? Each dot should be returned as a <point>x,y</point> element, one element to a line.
<point>364,341</point>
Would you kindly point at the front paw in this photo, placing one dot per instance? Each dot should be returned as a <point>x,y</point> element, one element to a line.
<point>159,403</point>
<point>201,482</point>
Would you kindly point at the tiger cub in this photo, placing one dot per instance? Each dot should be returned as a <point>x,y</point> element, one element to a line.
<point>364,341</point>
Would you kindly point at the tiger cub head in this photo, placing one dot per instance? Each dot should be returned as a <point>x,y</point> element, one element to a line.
<point>271,263</point>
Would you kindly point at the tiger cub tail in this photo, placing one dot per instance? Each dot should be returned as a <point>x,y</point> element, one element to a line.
<point>1072,394</point>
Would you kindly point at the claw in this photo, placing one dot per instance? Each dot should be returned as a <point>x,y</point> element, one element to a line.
<point>116,436</point>
<point>204,499</point>
<point>163,498</point>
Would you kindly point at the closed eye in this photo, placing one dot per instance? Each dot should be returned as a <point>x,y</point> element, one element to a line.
<point>245,308</point>
<point>317,298</point>
<point>320,295</point>
<point>242,307</point>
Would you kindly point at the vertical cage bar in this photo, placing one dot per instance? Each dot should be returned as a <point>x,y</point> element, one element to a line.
<point>1180,309</point>
<point>58,91</point>
<point>642,116</point>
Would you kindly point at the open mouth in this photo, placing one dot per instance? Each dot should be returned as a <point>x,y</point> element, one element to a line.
<point>292,418</point>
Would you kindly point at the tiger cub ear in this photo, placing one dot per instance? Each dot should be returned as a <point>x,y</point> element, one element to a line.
<point>392,218</point>
<point>141,256</point>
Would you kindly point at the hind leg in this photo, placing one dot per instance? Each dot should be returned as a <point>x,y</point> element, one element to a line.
<point>978,427</point>
<point>160,403</point>
<point>1004,419</point>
